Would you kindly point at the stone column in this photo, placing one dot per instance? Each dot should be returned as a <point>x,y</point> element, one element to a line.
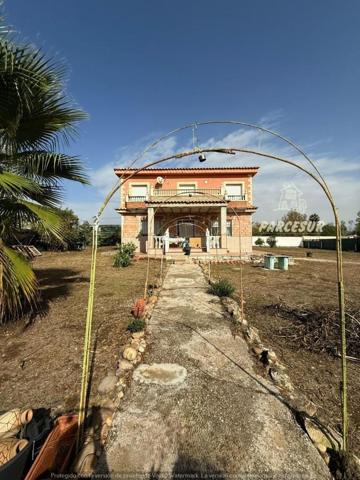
<point>150,236</point>
<point>223,212</point>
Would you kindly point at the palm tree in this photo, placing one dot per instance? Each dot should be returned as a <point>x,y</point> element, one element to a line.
<point>36,118</point>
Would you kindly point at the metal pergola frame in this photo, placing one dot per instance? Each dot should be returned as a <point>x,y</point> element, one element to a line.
<point>317,177</point>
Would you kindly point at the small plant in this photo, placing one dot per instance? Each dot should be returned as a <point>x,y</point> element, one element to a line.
<point>121,260</point>
<point>136,325</point>
<point>259,242</point>
<point>127,248</point>
<point>124,254</point>
<point>222,288</point>
<point>271,241</point>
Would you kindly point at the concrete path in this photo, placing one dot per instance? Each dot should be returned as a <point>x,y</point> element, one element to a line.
<point>221,419</point>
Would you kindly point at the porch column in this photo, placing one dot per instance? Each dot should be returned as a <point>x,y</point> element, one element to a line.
<point>150,217</point>
<point>223,211</point>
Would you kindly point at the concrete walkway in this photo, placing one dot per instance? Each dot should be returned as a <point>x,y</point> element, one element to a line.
<point>222,419</point>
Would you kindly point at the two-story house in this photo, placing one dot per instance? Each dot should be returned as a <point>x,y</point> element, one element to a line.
<point>211,207</point>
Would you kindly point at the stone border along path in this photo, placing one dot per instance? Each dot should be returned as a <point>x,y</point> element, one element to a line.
<point>196,405</point>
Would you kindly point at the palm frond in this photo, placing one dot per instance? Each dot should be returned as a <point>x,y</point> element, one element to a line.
<point>21,213</point>
<point>13,184</point>
<point>50,166</point>
<point>18,285</point>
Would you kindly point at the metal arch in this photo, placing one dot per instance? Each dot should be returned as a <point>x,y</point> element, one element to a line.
<point>318,179</point>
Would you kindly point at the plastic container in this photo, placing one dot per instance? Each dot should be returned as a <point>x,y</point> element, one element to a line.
<point>55,454</point>
<point>269,262</point>
<point>36,432</point>
<point>283,262</point>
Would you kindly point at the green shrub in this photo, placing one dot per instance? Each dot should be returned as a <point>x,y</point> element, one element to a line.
<point>121,260</point>
<point>271,241</point>
<point>127,249</point>
<point>124,254</point>
<point>222,288</point>
<point>259,242</point>
<point>136,325</point>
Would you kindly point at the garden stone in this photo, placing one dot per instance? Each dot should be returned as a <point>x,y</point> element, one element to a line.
<point>281,379</point>
<point>271,355</point>
<point>104,433</point>
<point>85,462</point>
<point>231,306</point>
<point>141,349</point>
<point>253,335</point>
<point>108,404</point>
<point>107,384</point>
<point>317,436</point>
<point>129,353</point>
<point>138,335</point>
<point>258,350</point>
<point>125,365</point>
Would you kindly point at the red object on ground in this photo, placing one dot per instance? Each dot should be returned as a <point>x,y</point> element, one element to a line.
<point>138,309</point>
<point>55,454</point>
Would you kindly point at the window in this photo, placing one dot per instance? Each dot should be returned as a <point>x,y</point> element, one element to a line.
<point>187,188</point>
<point>138,193</point>
<point>229,228</point>
<point>215,229</point>
<point>185,228</point>
<point>144,226</point>
<point>157,227</point>
<point>234,191</point>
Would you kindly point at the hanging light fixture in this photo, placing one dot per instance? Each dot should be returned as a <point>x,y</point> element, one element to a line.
<point>202,156</point>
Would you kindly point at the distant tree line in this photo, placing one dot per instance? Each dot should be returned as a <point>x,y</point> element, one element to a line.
<point>76,235</point>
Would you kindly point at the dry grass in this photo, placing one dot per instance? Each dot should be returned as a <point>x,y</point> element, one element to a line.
<point>309,285</point>
<point>41,363</point>
<point>316,253</point>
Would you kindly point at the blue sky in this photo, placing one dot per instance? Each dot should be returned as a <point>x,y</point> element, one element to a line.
<point>141,68</point>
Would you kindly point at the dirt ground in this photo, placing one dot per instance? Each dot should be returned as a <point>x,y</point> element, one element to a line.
<point>312,284</point>
<point>41,363</point>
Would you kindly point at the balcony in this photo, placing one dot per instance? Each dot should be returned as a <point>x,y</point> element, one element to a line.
<point>208,195</point>
<point>183,192</point>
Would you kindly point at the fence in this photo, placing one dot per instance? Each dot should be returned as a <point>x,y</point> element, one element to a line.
<point>348,244</point>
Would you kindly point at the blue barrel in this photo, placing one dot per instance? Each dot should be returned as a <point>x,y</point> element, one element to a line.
<point>283,262</point>
<point>269,262</point>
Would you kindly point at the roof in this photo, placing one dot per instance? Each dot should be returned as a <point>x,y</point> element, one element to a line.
<point>159,171</point>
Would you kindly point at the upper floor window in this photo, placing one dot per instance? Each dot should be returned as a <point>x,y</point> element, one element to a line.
<point>234,191</point>
<point>229,228</point>
<point>138,193</point>
<point>187,188</point>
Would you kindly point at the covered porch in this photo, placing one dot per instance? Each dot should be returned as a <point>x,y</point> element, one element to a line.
<point>203,226</point>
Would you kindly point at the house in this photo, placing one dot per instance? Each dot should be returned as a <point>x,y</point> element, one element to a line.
<point>211,207</point>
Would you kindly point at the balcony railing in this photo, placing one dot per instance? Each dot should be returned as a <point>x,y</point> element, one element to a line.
<point>136,198</point>
<point>234,198</point>
<point>215,193</point>
<point>189,192</point>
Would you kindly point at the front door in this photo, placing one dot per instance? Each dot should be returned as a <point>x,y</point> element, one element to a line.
<point>186,228</point>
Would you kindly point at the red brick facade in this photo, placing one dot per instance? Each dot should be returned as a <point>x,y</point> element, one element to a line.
<point>188,202</point>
